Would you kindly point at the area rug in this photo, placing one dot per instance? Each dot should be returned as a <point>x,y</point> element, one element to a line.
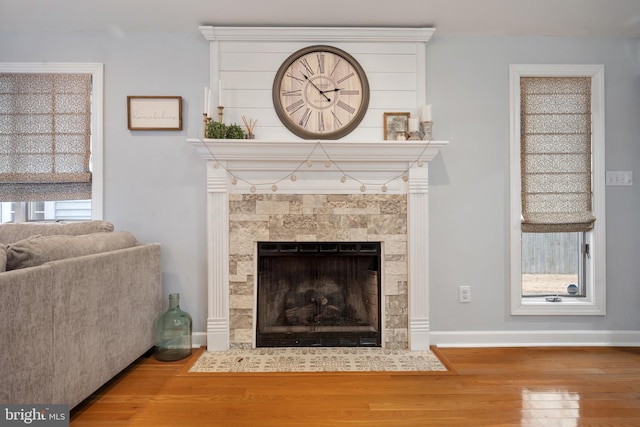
<point>324,359</point>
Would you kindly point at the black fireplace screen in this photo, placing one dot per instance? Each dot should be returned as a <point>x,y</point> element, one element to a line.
<point>318,294</point>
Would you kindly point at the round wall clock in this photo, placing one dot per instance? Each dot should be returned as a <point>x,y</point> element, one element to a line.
<point>320,92</point>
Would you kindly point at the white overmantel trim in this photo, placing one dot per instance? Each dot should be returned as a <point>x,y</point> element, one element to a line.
<point>313,34</point>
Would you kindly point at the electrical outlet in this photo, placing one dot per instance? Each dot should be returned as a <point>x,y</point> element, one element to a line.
<point>464,294</point>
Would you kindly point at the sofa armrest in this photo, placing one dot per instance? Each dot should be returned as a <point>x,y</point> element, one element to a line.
<point>105,306</point>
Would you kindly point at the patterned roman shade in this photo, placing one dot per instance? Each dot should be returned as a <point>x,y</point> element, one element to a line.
<point>556,154</point>
<point>45,137</point>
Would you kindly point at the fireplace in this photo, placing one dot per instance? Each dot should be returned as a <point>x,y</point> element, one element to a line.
<point>323,294</point>
<point>319,206</point>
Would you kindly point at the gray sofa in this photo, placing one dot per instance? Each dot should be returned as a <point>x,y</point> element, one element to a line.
<point>79,301</point>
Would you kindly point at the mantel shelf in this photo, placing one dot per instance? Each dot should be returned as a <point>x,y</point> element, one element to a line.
<point>258,150</point>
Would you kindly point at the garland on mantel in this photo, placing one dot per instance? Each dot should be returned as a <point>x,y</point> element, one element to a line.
<point>309,163</point>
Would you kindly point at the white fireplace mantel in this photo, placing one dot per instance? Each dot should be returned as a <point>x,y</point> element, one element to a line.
<point>264,162</point>
<point>318,167</point>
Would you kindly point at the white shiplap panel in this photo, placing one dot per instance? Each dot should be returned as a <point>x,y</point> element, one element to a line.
<point>394,100</point>
<point>257,98</point>
<point>269,126</point>
<point>269,61</point>
<point>259,61</point>
<point>247,70</point>
<point>389,63</point>
<point>287,48</point>
<point>233,80</point>
<point>261,98</point>
<point>392,81</point>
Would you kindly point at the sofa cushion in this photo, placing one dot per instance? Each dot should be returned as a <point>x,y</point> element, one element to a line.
<point>14,232</point>
<point>3,257</point>
<point>41,249</point>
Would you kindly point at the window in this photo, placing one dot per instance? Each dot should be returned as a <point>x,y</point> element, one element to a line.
<point>49,114</point>
<point>557,219</point>
<point>60,210</point>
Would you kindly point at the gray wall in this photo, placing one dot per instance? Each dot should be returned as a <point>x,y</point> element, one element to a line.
<point>467,83</point>
<point>155,182</point>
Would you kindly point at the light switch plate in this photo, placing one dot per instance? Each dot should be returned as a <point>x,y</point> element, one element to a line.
<point>619,178</point>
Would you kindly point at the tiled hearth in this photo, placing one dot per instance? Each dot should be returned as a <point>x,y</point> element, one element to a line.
<point>317,206</point>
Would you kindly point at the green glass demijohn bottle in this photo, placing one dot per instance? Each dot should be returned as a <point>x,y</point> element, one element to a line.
<point>173,332</point>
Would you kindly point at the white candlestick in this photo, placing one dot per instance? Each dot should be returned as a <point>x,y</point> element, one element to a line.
<point>425,113</point>
<point>206,100</point>
<point>220,93</point>
<point>413,125</point>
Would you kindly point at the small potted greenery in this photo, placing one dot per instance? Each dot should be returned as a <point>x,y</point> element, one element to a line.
<point>234,131</point>
<point>217,130</point>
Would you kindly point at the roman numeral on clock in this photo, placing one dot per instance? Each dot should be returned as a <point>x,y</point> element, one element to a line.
<point>320,121</point>
<point>305,118</point>
<point>349,92</point>
<point>336,119</point>
<point>346,107</point>
<point>295,78</point>
<point>292,93</point>
<point>348,76</point>
<point>334,67</point>
<point>295,106</point>
<point>306,65</point>
<point>320,64</point>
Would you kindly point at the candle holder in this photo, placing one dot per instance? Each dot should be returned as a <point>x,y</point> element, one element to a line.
<point>425,130</point>
<point>206,120</point>
<point>220,108</point>
<point>413,136</point>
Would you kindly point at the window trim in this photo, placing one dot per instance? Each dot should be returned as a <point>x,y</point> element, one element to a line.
<point>595,282</point>
<point>97,122</point>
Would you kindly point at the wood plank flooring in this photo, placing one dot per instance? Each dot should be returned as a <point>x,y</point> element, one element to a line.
<point>533,387</point>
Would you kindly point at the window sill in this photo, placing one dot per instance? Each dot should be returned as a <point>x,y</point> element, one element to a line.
<point>568,306</point>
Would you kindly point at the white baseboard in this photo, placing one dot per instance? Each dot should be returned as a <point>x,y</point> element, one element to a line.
<point>513,338</point>
<point>534,338</point>
<point>198,339</point>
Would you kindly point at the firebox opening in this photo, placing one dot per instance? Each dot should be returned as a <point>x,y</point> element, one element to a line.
<point>318,294</point>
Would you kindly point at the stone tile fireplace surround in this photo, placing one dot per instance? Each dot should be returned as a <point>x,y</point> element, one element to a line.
<point>317,218</point>
<point>317,207</point>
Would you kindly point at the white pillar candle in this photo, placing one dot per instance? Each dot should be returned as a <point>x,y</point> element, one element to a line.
<point>220,93</point>
<point>206,100</point>
<point>425,113</point>
<point>413,125</point>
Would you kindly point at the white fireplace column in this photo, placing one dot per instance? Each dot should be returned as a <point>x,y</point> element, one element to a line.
<point>218,258</point>
<point>418,256</point>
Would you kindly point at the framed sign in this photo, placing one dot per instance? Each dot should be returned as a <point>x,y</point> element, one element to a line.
<point>154,112</point>
<point>396,125</point>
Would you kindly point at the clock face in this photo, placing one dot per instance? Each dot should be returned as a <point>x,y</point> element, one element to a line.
<point>320,92</point>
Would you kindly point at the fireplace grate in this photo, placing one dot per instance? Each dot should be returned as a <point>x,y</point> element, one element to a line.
<point>328,339</point>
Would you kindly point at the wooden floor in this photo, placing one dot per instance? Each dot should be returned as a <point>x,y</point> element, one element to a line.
<point>486,387</point>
